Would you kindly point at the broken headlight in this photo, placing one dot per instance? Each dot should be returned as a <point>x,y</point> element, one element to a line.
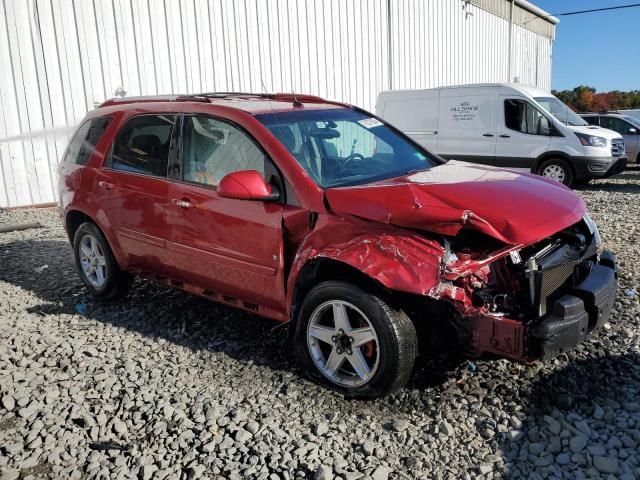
<point>593,228</point>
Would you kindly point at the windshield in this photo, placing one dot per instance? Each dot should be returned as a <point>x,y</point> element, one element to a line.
<point>633,120</point>
<point>345,147</point>
<point>560,111</point>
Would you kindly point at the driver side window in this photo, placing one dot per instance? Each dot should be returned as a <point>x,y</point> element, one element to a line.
<point>213,148</point>
<point>521,116</point>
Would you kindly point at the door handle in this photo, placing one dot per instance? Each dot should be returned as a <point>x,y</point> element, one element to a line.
<point>487,134</point>
<point>505,136</point>
<point>182,203</point>
<point>105,185</point>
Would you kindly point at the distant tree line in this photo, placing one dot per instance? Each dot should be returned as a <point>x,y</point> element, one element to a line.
<point>585,99</point>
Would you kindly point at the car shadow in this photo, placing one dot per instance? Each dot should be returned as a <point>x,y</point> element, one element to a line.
<point>631,185</point>
<point>595,395</point>
<point>160,312</point>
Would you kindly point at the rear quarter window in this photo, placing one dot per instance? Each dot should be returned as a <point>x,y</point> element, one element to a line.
<point>84,142</point>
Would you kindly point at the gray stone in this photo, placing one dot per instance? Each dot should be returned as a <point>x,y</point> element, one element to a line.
<point>321,428</point>
<point>577,443</point>
<point>368,447</point>
<point>400,425</point>
<point>553,425</point>
<point>598,413</point>
<point>606,464</point>
<point>119,427</point>
<point>323,472</point>
<point>10,474</point>
<point>8,402</point>
<point>536,448</point>
<point>242,436</point>
<point>381,473</point>
<point>445,428</point>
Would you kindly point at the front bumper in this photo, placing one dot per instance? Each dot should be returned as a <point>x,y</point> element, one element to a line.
<point>577,314</point>
<point>587,168</point>
<point>573,317</point>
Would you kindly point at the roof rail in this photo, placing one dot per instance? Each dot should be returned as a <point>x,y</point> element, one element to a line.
<point>271,96</point>
<point>208,96</point>
<point>153,98</point>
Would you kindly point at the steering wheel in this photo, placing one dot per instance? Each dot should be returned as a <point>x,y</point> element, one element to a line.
<point>353,156</point>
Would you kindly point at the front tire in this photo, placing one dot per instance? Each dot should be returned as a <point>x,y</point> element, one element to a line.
<point>354,341</point>
<point>96,264</point>
<point>558,170</point>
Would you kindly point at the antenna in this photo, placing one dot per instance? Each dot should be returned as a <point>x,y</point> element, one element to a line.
<point>296,102</point>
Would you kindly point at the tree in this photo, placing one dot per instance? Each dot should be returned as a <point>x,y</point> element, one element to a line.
<point>585,99</point>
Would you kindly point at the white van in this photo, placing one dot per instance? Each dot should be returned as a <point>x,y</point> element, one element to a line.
<point>507,125</point>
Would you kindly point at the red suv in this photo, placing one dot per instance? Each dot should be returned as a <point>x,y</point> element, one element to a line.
<point>322,216</point>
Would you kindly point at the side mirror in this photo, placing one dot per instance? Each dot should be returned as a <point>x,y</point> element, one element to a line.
<point>633,130</point>
<point>247,185</point>
<point>543,126</point>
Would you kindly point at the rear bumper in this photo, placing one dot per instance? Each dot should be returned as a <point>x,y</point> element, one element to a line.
<point>587,168</point>
<point>577,314</point>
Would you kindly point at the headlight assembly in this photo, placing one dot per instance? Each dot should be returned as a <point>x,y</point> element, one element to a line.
<point>593,228</point>
<point>591,140</point>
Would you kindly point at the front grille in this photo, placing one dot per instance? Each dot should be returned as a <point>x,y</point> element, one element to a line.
<point>617,147</point>
<point>550,281</point>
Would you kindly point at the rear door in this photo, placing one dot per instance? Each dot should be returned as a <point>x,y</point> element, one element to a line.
<point>134,189</point>
<point>229,247</point>
<point>519,142</point>
<point>466,126</point>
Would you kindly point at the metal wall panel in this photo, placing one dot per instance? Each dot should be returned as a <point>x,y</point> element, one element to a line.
<point>62,57</point>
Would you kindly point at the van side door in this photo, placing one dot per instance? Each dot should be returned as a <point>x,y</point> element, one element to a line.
<point>467,127</point>
<point>520,140</point>
<point>414,113</point>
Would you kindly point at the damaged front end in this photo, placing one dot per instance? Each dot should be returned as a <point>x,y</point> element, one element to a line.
<point>530,302</point>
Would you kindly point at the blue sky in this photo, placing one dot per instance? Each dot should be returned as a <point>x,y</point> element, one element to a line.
<point>599,49</point>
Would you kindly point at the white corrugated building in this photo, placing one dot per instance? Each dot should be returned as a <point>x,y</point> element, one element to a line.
<point>59,58</point>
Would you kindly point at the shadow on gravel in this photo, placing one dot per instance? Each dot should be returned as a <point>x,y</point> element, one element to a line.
<point>590,396</point>
<point>150,309</point>
<point>158,312</point>
<point>631,174</point>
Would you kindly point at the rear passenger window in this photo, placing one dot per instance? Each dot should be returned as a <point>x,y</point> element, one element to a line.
<point>213,148</point>
<point>142,145</point>
<point>522,116</point>
<point>84,142</point>
<point>591,120</point>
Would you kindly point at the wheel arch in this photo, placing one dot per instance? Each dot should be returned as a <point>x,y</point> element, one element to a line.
<point>76,217</point>
<point>548,156</point>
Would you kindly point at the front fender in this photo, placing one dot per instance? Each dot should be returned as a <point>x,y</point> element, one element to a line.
<point>398,260</point>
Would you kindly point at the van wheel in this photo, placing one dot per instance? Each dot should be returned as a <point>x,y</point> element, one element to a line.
<point>97,265</point>
<point>354,341</point>
<point>558,170</point>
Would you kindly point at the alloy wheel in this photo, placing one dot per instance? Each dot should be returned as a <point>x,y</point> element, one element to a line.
<point>343,343</point>
<point>92,261</point>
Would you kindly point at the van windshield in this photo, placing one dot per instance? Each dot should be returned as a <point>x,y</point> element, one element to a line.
<point>559,110</point>
<point>341,146</point>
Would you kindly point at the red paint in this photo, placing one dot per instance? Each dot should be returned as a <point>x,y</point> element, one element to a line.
<point>244,185</point>
<point>514,208</point>
<point>228,245</point>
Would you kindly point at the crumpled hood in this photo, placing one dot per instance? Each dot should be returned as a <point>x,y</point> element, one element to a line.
<point>515,208</point>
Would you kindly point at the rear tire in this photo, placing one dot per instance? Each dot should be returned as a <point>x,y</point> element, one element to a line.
<point>558,170</point>
<point>96,264</point>
<point>354,342</point>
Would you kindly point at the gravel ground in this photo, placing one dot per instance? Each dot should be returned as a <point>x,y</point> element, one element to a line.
<point>164,385</point>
